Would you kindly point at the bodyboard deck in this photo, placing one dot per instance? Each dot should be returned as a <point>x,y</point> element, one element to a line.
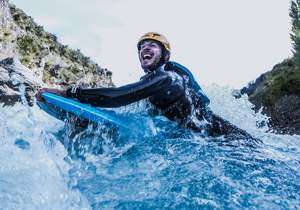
<point>60,107</point>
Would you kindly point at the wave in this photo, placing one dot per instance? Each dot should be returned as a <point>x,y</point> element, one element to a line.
<point>45,163</point>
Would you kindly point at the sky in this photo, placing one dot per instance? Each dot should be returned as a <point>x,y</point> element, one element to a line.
<point>229,43</point>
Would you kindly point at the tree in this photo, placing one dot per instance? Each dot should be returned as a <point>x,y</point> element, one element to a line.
<point>295,35</point>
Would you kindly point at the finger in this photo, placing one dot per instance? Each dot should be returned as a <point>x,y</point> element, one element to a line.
<point>39,96</point>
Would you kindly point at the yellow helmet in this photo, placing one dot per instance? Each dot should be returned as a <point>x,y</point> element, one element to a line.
<point>157,37</point>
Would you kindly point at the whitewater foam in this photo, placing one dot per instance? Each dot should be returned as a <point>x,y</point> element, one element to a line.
<point>170,169</point>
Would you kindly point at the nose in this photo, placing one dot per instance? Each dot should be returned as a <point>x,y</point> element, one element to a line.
<point>144,47</point>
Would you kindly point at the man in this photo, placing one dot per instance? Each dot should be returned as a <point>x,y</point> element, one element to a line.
<point>169,86</point>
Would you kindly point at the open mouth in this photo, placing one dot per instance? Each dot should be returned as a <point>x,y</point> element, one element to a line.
<point>147,56</point>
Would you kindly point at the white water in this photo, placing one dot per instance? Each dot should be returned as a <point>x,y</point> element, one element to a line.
<point>36,177</point>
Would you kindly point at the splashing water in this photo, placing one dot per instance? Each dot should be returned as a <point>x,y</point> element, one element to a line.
<point>33,174</point>
<point>47,165</point>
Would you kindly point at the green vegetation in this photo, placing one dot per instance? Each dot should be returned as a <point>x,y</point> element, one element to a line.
<point>295,35</point>
<point>283,80</point>
<point>28,48</point>
<point>38,49</point>
<point>278,91</point>
<point>27,44</point>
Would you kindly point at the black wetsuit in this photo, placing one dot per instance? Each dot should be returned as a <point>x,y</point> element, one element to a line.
<point>174,93</point>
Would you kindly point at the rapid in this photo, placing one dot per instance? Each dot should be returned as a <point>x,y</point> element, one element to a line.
<point>45,164</point>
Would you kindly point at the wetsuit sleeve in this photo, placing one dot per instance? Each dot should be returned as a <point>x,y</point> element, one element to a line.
<point>116,97</point>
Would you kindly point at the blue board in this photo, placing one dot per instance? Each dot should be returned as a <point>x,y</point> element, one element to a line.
<point>60,107</point>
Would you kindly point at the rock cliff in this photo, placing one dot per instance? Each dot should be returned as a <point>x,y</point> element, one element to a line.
<point>31,57</point>
<point>278,92</point>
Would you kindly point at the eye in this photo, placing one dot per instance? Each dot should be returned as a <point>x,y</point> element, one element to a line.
<point>143,46</point>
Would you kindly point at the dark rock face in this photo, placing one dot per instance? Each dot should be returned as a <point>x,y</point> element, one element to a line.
<point>286,117</point>
<point>30,58</point>
<point>17,83</point>
<point>278,92</point>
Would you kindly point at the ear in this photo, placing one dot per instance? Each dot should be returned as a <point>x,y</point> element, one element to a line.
<point>167,56</point>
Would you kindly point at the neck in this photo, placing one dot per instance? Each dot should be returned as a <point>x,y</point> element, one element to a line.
<point>156,68</point>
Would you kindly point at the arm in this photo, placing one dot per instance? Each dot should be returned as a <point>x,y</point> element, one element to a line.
<point>116,97</point>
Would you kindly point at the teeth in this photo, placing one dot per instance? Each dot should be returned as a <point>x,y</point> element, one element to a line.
<point>146,56</point>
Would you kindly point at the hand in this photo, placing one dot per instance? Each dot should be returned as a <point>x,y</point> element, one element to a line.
<point>49,90</point>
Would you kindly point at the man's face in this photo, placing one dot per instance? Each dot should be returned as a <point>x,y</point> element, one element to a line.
<point>150,54</point>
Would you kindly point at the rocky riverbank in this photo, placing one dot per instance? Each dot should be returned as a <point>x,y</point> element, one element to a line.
<point>31,57</point>
<point>278,93</point>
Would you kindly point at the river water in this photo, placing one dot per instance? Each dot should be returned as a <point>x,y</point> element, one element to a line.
<point>44,164</point>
